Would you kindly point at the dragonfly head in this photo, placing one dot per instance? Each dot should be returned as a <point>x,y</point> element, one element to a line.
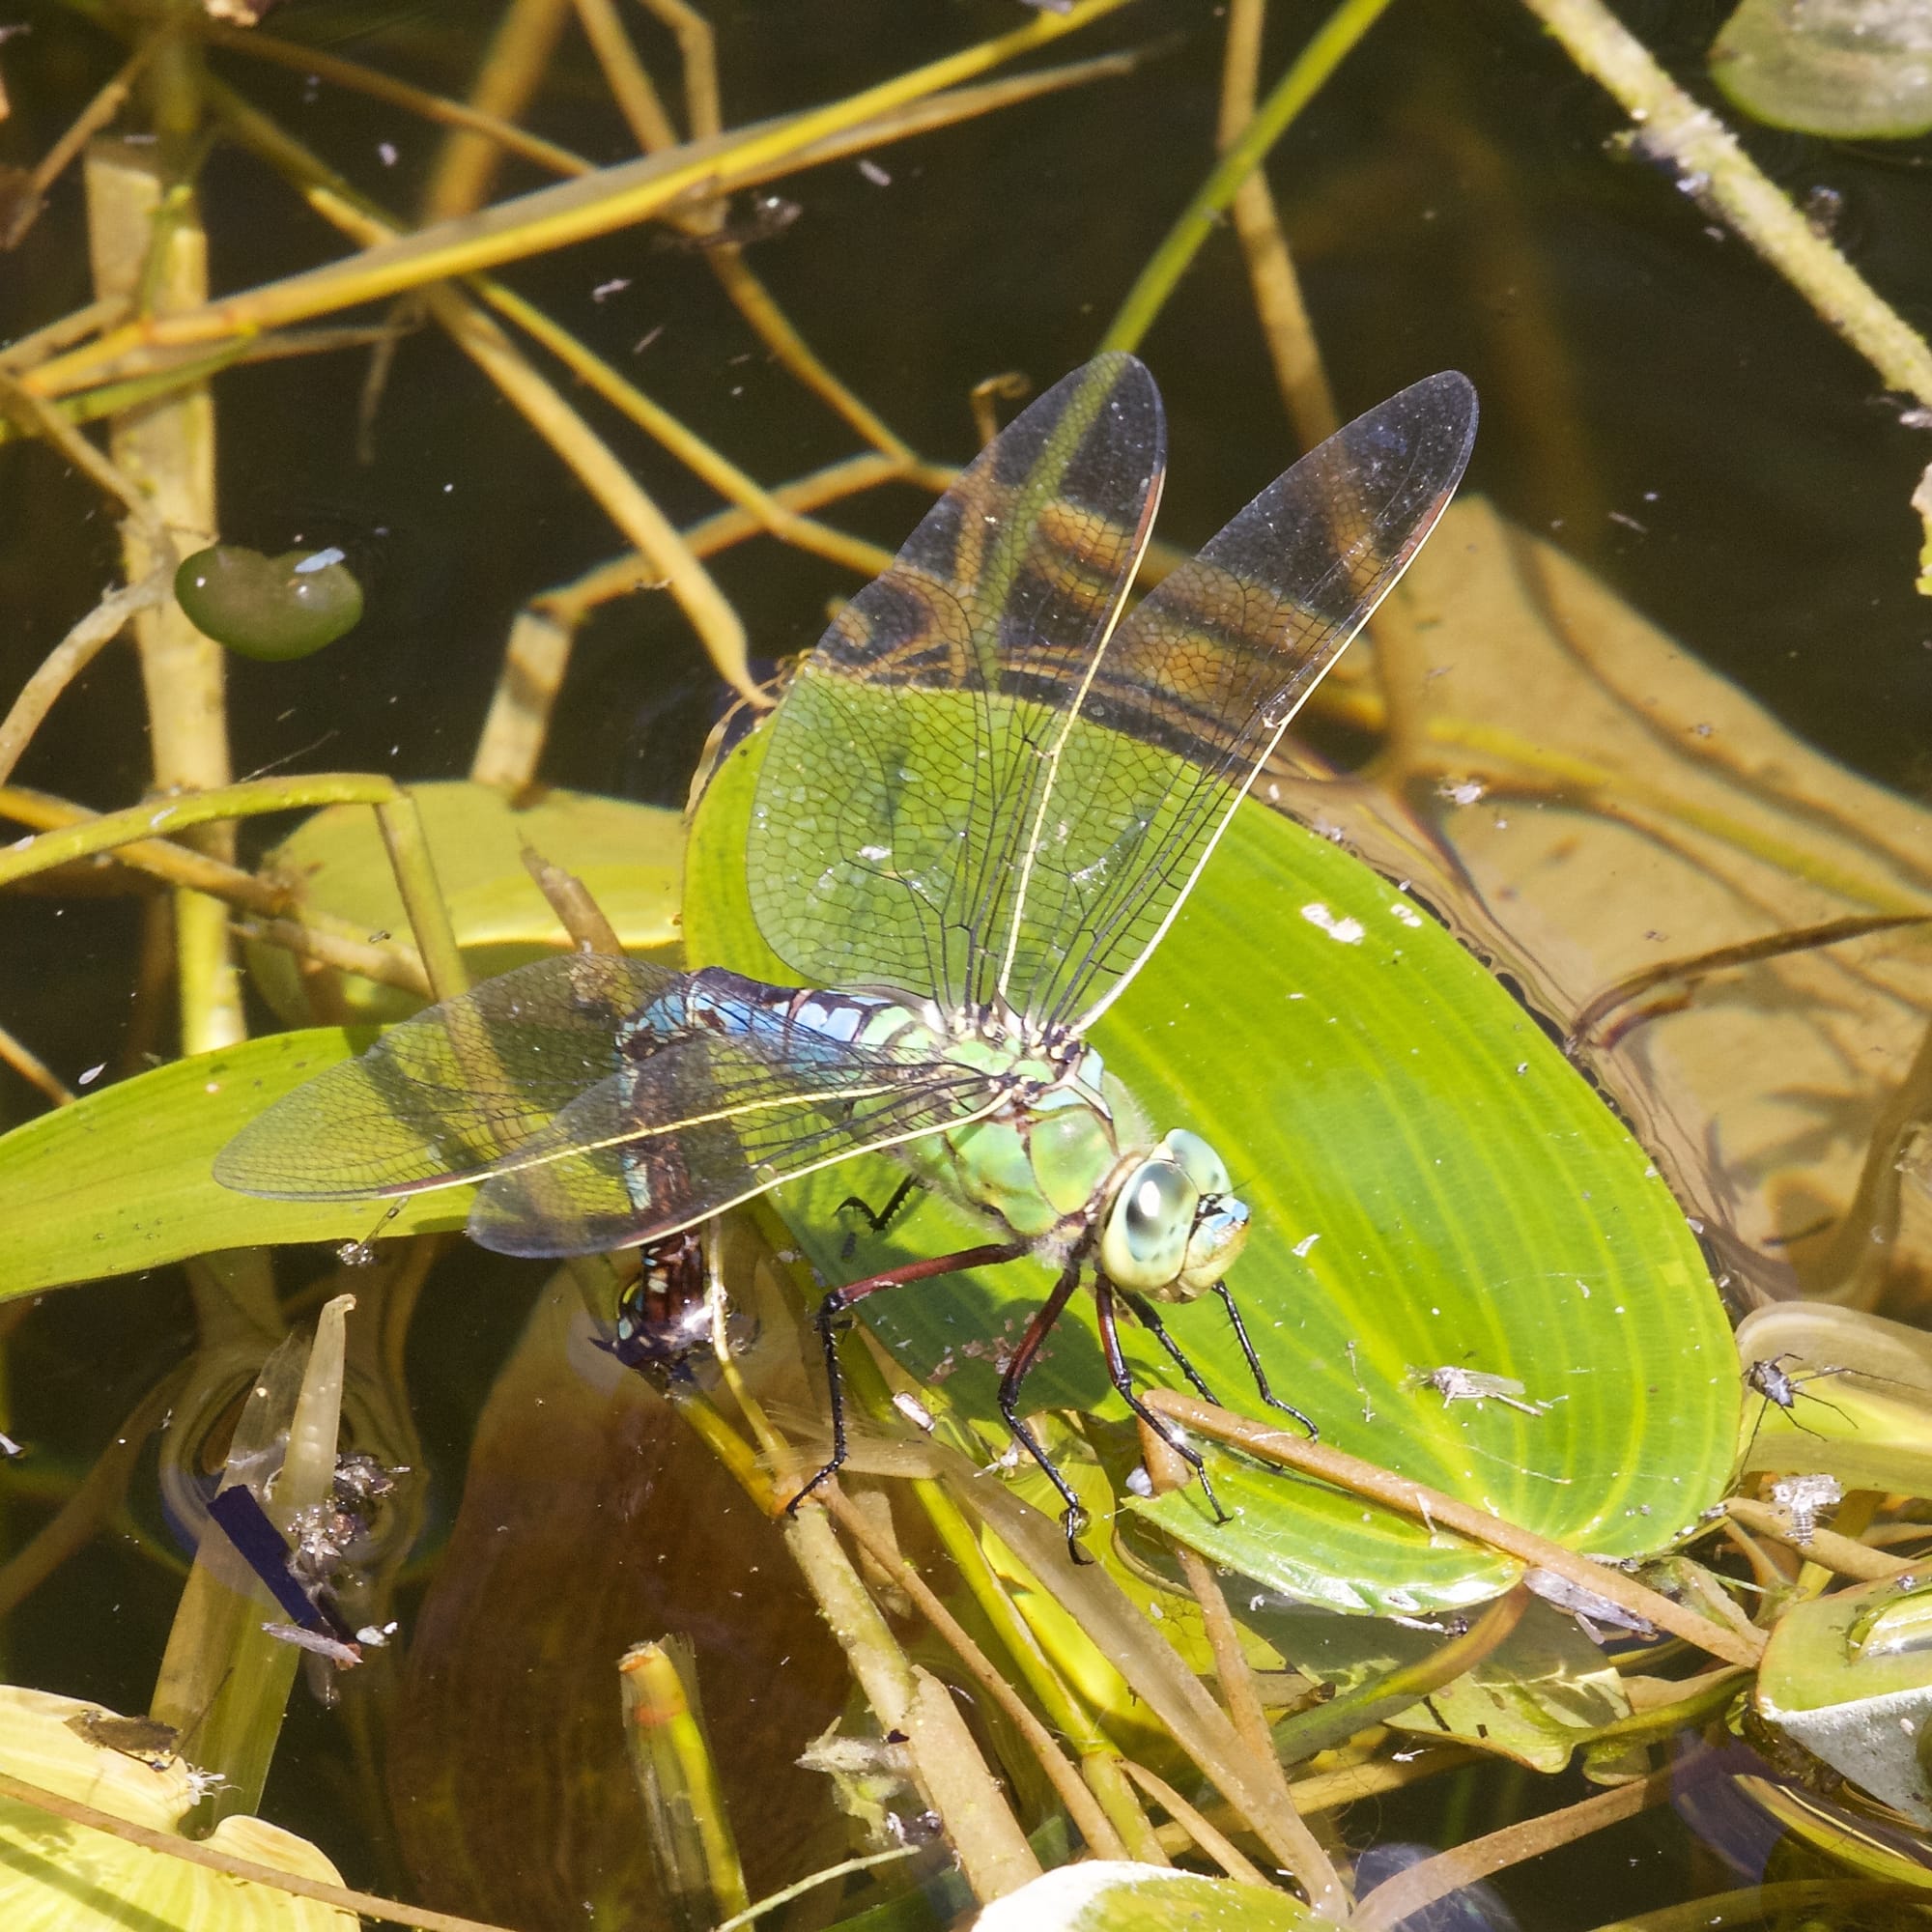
<point>1173,1227</point>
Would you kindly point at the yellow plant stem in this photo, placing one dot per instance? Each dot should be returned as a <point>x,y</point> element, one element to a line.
<point>1089,1819</point>
<point>1826,1548</point>
<point>1239,1695</point>
<point>1326,1726</point>
<point>15,1053</point>
<point>1216,1844</point>
<point>691,449</point>
<point>1674,126</point>
<point>492,129</point>
<point>552,218</point>
<point>99,112</point>
<point>63,333</point>
<point>157,817</point>
<point>595,465</point>
<point>952,1775</point>
<point>147,244</point>
<point>671,1754</point>
<point>1420,1884</point>
<point>1277,287</point>
<point>1331,44</point>
<point>68,658</point>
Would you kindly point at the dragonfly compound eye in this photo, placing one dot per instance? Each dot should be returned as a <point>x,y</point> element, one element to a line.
<point>1143,1245</point>
<point>1199,1161</point>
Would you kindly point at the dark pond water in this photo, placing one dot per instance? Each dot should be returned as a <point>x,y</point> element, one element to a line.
<point>1654,399</point>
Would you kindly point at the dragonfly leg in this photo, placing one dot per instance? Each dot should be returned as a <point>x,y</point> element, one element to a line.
<point>1124,1380</point>
<point>836,1304</point>
<point>1145,1314</point>
<point>1073,1518</point>
<point>1254,1361</point>
<point>877,1219</point>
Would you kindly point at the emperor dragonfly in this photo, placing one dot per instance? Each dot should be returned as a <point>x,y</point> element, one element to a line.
<point>985,798</point>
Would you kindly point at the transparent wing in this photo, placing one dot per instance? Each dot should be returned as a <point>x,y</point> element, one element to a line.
<point>604,1102</point>
<point>1196,686</point>
<point>906,764</point>
<point>699,1126</point>
<point>446,1094</point>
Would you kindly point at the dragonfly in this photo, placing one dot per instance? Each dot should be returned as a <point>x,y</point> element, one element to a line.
<point>985,798</point>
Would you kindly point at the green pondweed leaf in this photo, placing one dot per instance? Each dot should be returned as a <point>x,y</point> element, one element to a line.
<point>1103,1895</point>
<point>1541,1692</point>
<point>1838,1392</point>
<point>1849,1676</point>
<point>1431,1185</point>
<point>121,1179</point>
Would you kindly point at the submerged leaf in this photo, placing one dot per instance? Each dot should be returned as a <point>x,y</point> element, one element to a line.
<point>628,857</point>
<point>1852,69</point>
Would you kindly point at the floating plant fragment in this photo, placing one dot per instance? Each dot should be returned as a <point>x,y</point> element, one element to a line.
<point>1837,1391</point>
<point>1848,69</point>
<point>61,1876</point>
<point>273,608</point>
<point>1849,1677</point>
<point>1112,1895</point>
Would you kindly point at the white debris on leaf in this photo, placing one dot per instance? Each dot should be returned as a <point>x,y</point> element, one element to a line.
<point>1349,932</point>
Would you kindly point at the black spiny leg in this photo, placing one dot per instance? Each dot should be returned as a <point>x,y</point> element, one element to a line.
<point>1145,1314</point>
<point>1255,1368</point>
<point>840,1299</point>
<point>1073,1519</point>
<point>878,1220</point>
<point>1124,1380</point>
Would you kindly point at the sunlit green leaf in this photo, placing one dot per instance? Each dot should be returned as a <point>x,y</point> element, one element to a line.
<point>121,1179</point>
<point>1433,1185</point>
<point>1860,1397</point>
<point>1849,1676</point>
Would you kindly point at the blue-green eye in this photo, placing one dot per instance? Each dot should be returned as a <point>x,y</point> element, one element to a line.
<point>1199,1161</point>
<point>1143,1243</point>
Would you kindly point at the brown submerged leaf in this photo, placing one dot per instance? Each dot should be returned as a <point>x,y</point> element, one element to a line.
<point>1585,802</point>
<point>593,1519</point>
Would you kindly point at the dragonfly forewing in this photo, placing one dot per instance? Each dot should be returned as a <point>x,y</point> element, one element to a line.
<point>1196,686</point>
<point>904,768</point>
<point>693,1129</point>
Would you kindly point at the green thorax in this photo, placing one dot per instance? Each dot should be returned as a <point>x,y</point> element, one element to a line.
<point>1047,1154</point>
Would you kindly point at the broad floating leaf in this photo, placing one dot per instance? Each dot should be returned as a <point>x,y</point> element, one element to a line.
<point>1849,1676</point>
<point>1112,1895</point>
<point>1432,1184</point>
<point>1859,1391</point>
<point>273,608</point>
